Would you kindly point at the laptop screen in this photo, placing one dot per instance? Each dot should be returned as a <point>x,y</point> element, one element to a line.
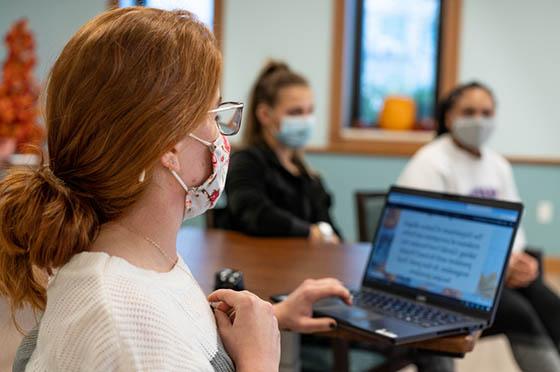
<point>451,248</point>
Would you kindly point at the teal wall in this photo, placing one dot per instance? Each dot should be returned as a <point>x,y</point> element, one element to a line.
<point>540,183</point>
<point>55,21</point>
<point>52,22</point>
<point>344,175</point>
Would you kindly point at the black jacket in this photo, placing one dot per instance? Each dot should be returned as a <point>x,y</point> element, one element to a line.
<point>264,199</point>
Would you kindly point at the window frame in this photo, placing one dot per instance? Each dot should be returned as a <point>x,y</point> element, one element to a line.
<point>345,139</point>
<point>357,55</point>
<point>217,28</point>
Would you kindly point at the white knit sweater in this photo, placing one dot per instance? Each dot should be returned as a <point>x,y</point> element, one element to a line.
<point>104,314</point>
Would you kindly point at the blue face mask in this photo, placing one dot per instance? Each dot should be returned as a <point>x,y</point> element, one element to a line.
<point>295,131</point>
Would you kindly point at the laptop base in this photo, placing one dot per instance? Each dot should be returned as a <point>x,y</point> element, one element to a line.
<point>396,331</point>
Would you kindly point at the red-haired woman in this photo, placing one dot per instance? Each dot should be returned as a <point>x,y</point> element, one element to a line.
<point>135,147</point>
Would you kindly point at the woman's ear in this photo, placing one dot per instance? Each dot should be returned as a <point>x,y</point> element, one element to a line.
<point>170,160</point>
<point>264,114</point>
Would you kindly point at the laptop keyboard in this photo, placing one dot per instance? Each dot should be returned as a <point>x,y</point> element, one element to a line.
<point>406,310</point>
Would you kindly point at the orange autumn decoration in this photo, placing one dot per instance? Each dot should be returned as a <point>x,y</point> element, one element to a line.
<point>18,90</point>
<point>398,113</point>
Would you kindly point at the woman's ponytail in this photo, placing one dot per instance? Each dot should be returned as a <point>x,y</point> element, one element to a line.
<point>43,225</point>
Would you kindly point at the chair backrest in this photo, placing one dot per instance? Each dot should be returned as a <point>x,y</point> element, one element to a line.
<point>369,205</point>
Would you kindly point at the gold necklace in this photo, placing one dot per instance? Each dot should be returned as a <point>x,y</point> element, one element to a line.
<point>152,242</point>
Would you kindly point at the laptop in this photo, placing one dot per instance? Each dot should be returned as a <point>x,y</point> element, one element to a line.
<point>436,267</point>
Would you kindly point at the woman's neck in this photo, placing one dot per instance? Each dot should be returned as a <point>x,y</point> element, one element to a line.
<point>284,154</point>
<point>146,235</point>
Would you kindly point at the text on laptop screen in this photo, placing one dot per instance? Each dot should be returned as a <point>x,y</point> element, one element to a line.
<point>446,247</point>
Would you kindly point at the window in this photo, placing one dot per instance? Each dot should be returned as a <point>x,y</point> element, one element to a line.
<point>204,9</point>
<point>397,54</point>
<point>390,54</point>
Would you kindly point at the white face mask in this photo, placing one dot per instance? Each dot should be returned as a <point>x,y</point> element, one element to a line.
<point>201,198</point>
<point>473,131</point>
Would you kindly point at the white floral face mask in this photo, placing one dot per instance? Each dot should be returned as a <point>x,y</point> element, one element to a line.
<point>201,198</point>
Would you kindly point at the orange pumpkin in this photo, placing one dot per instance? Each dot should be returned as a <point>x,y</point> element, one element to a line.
<point>398,113</point>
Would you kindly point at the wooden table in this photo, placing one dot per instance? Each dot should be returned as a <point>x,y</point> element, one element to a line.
<point>272,266</point>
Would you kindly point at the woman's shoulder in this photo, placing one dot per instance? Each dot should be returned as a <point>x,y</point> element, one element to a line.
<point>98,282</point>
<point>95,290</point>
<point>79,286</point>
<point>439,145</point>
<point>103,311</point>
<point>78,316</point>
<point>252,154</point>
<point>86,271</point>
<point>250,161</point>
<point>497,161</point>
<point>434,153</point>
<point>97,268</point>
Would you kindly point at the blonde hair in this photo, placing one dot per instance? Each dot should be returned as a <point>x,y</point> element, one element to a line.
<point>126,88</point>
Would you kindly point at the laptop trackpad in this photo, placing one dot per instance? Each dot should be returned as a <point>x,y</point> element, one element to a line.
<point>339,310</point>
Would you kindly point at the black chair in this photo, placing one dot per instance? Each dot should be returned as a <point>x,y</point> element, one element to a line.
<point>369,205</point>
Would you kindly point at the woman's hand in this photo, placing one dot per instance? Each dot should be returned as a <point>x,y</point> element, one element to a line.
<point>248,328</point>
<point>295,312</point>
<point>316,236</point>
<point>523,269</point>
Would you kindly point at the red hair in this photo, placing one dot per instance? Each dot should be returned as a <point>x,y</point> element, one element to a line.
<point>128,86</point>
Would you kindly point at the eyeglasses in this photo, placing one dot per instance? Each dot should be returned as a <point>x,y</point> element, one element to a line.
<point>228,117</point>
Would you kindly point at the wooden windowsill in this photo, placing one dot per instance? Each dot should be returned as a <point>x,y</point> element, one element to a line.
<point>533,160</point>
<point>384,135</point>
<point>366,148</point>
<point>405,149</point>
<point>369,147</point>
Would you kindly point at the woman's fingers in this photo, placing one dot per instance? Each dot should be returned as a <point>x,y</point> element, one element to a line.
<point>252,339</point>
<point>233,298</point>
<point>330,291</point>
<point>223,295</point>
<point>327,280</point>
<point>327,287</point>
<point>312,325</point>
<point>222,306</point>
<point>222,320</point>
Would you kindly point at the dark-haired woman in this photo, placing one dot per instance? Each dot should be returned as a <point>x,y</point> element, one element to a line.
<point>459,162</point>
<point>270,190</point>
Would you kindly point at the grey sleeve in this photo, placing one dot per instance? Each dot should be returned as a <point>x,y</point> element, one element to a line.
<point>25,350</point>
